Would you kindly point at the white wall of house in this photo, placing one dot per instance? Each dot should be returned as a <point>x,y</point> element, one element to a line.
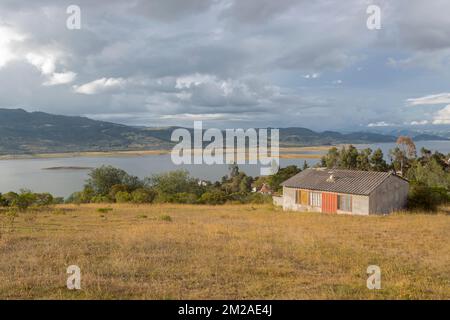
<point>360,205</point>
<point>289,202</point>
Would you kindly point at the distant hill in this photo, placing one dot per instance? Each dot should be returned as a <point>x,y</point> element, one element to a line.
<point>306,137</point>
<point>23,132</point>
<point>38,132</point>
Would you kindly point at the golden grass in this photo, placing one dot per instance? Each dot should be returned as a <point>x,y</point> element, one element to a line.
<point>223,252</point>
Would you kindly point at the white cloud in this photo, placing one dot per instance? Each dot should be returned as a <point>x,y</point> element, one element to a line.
<point>419,122</point>
<point>192,80</point>
<point>197,117</point>
<point>442,116</point>
<point>44,62</point>
<point>7,37</point>
<point>100,85</point>
<point>312,76</point>
<point>379,124</point>
<point>60,78</point>
<point>440,98</point>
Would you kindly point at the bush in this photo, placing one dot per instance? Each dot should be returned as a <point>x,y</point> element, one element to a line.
<point>175,182</point>
<point>185,197</point>
<point>116,189</point>
<point>143,195</point>
<point>104,210</point>
<point>165,217</point>
<point>25,199</point>
<point>85,196</point>
<point>213,197</point>
<point>100,199</point>
<point>259,198</point>
<point>123,197</point>
<point>422,197</point>
<point>9,198</point>
<point>44,199</point>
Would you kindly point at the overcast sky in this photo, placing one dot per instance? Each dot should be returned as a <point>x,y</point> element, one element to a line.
<point>231,63</point>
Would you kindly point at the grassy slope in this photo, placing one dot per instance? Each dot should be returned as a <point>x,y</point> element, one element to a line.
<point>232,251</point>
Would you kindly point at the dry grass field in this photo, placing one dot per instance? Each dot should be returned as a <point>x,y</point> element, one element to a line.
<point>223,252</point>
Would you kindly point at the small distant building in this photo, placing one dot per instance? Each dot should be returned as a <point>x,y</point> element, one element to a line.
<point>265,189</point>
<point>202,183</point>
<point>345,191</point>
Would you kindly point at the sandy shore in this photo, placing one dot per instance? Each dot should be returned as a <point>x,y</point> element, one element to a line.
<point>84,154</point>
<point>285,153</point>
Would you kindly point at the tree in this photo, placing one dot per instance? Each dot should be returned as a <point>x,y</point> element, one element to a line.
<point>102,179</point>
<point>331,159</point>
<point>363,160</point>
<point>282,175</point>
<point>234,170</point>
<point>398,159</point>
<point>171,183</point>
<point>349,158</point>
<point>406,150</point>
<point>377,161</point>
<point>305,165</point>
<point>245,184</point>
<point>406,144</point>
<point>430,174</point>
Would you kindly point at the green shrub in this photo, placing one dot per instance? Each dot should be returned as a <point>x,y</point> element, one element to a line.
<point>25,199</point>
<point>104,210</point>
<point>426,198</point>
<point>213,197</point>
<point>44,199</point>
<point>143,195</point>
<point>259,198</point>
<point>123,197</point>
<point>165,217</point>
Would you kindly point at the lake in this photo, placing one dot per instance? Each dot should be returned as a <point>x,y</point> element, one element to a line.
<point>30,173</point>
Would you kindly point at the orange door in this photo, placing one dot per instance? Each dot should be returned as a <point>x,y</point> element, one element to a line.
<point>329,202</point>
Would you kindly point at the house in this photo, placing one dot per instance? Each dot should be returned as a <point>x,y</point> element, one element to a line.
<point>345,191</point>
<point>265,189</point>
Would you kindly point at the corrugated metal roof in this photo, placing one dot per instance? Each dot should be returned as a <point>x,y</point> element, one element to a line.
<point>337,180</point>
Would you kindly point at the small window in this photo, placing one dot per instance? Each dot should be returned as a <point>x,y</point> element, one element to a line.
<point>345,202</point>
<point>301,197</point>
<point>315,199</point>
<point>298,196</point>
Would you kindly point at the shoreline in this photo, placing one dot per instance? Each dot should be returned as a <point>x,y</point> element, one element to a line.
<point>285,153</point>
<point>101,154</point>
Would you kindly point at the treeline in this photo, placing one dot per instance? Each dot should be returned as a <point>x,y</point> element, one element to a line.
<point>109,184</point>
<point>26,199</point>
<point>428,173</point>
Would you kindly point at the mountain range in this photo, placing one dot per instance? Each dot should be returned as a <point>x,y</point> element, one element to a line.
<point>23,132</point>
